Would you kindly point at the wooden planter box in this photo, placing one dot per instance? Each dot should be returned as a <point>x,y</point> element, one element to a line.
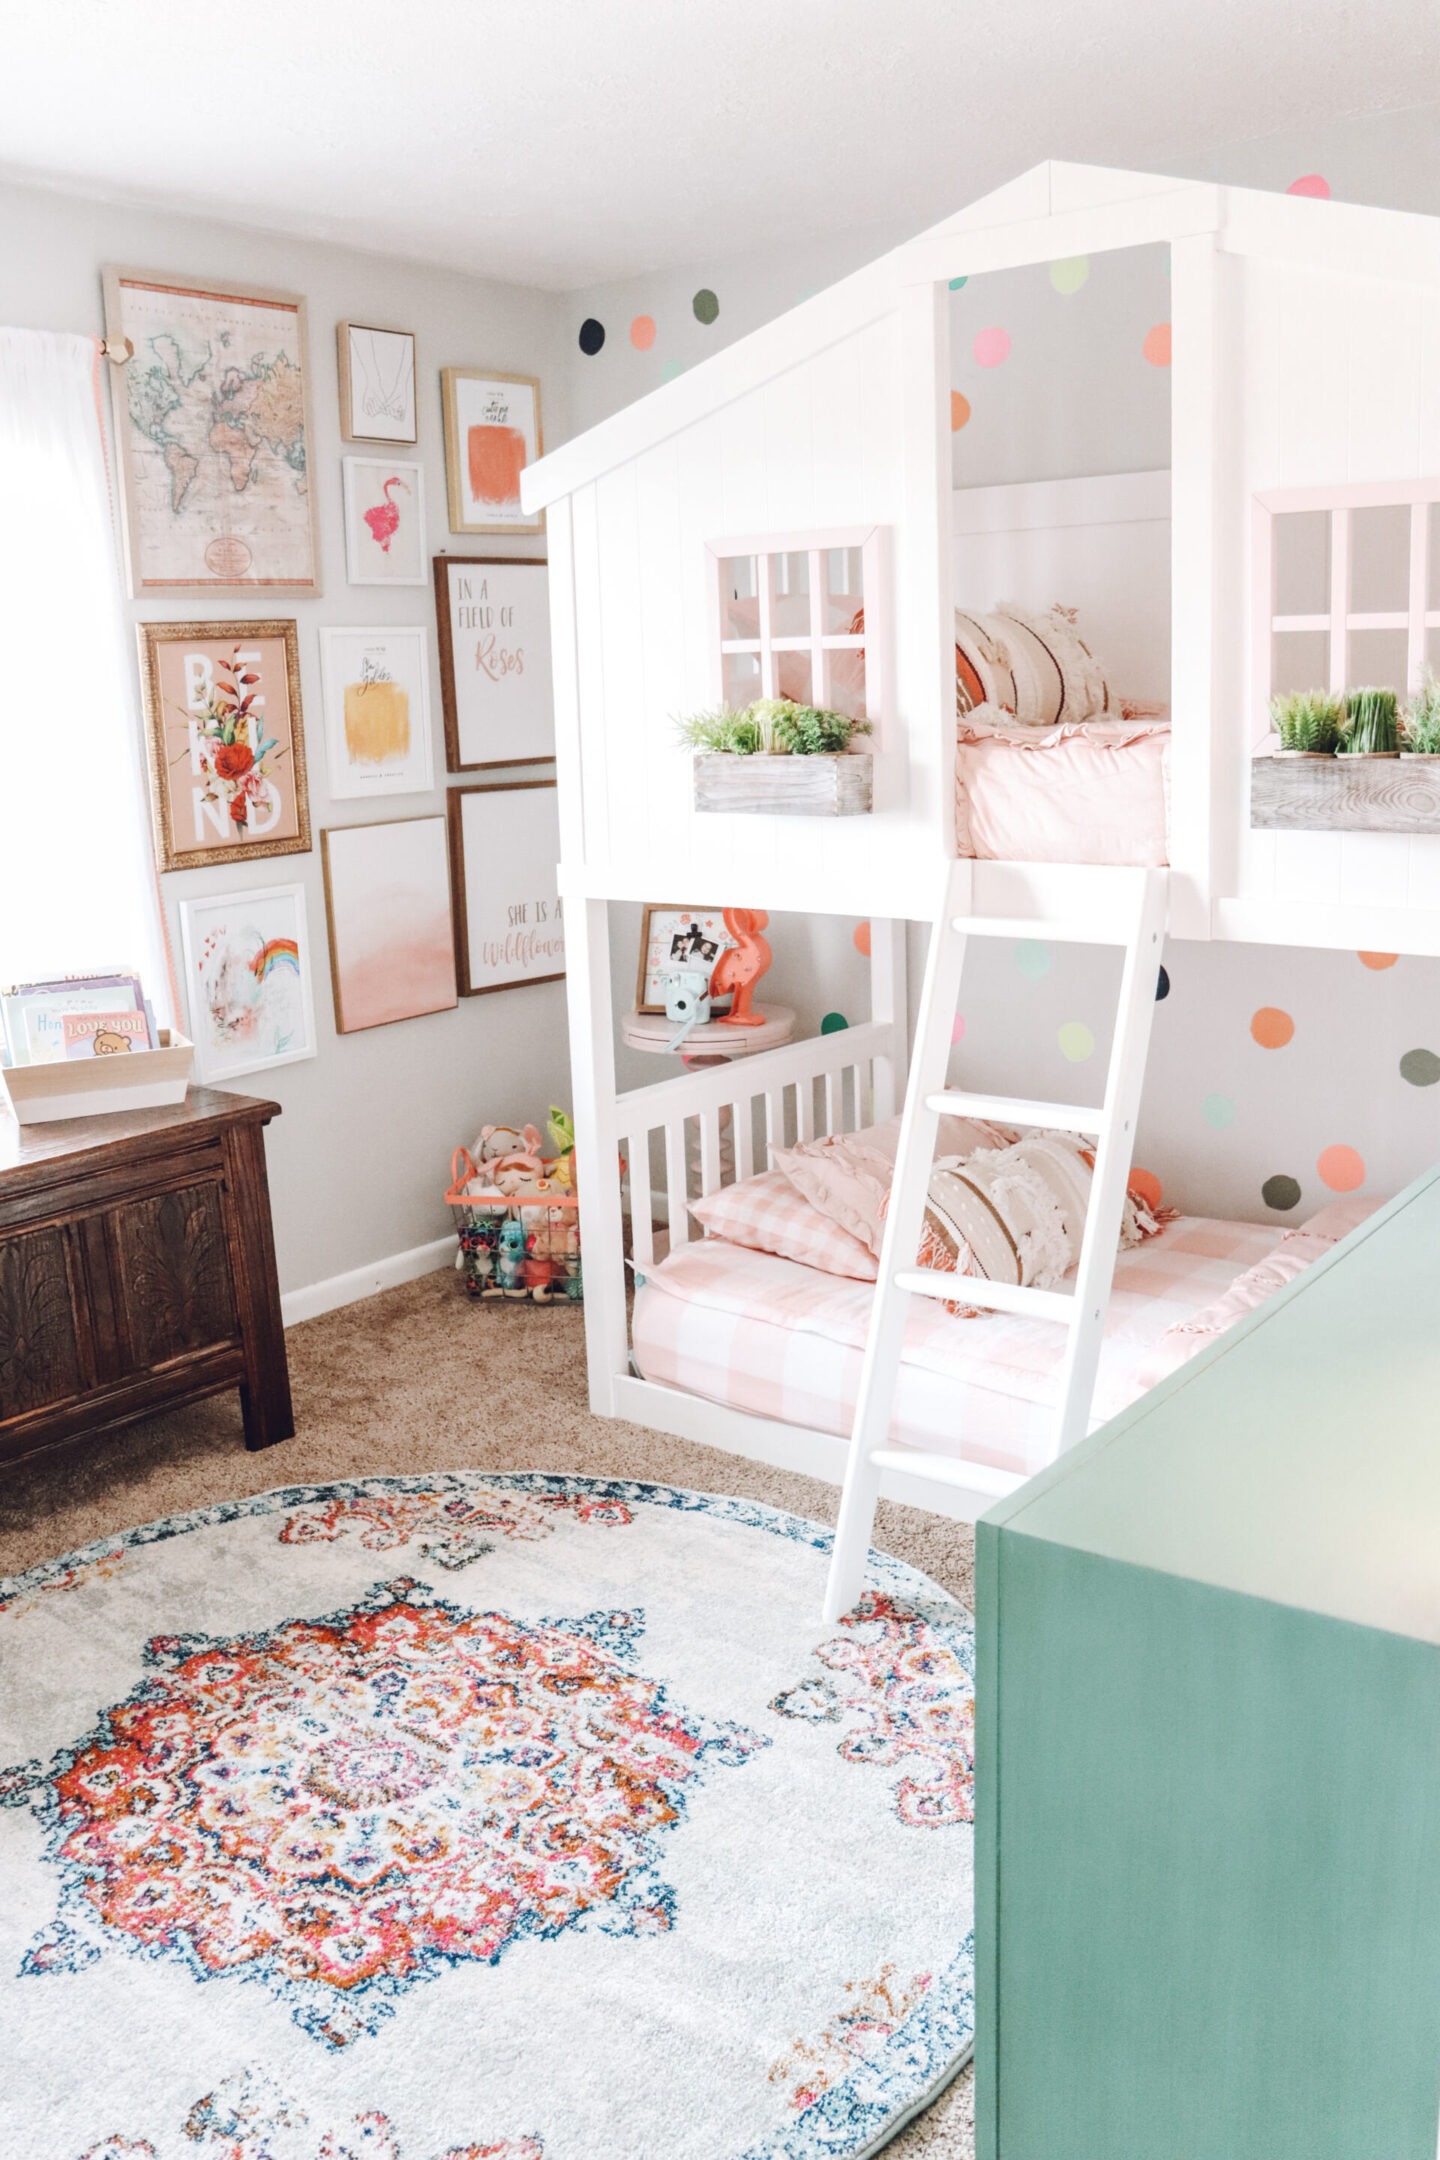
<point>1346,794</point>
<point>836,784</point>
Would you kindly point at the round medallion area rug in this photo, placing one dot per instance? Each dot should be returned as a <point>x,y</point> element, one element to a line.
<point>479,1817</point>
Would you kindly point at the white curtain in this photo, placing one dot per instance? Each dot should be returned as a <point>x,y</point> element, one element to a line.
<point>78,892</point>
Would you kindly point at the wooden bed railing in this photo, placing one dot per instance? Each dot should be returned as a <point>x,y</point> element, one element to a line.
<point>683,1139</point>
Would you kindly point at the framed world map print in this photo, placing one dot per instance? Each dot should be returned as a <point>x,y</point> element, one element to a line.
<point>212,418</point>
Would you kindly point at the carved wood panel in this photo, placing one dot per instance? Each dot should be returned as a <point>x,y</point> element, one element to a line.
<point>40,1358</point>
<point>175,1271</point>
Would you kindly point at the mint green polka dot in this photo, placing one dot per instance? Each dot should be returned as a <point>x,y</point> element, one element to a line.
<point>670,369</point>
<point>1218,1112</point>
<point>956,283</point>
<point>1033,959</point>
<point>1076,1041</point>
<point>1070,273</point>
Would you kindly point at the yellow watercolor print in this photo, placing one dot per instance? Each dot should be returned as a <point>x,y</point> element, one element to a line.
<point>377,722</point>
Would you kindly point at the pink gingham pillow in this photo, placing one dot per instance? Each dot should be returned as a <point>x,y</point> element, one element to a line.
<point>767,1214</point>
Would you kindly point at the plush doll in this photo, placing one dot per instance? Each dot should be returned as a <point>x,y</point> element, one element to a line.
<point>510,1258</point>
<point>562,1137</point>
<point>477,1254</point>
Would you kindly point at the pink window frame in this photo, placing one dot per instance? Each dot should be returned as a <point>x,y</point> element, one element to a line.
<point>1339,619</point>
<point>869,541</point>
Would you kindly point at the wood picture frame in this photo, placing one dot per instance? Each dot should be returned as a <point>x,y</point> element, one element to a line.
<point>499,935</point>
<point>712,926</point>
<point>494,418</point>
<point>392,951</point>
<point>206,508</point>
<point>378,376</point>
<point>184,667</point>
<point>486,695</point>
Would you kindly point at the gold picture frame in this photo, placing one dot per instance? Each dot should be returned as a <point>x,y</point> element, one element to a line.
<point>178,697</point>
<point>481,409</point>
<point>714,932</point>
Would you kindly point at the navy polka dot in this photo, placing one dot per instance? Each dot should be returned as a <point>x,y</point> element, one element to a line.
<point>1162,987</point>
<point>592,335</point>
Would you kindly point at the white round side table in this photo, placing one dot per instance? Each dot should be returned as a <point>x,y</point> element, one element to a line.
<point>714,1042</point>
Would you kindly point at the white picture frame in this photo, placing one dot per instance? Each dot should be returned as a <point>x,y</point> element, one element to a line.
<point>492,618</point>
<point>375,690</point>
<point>249,990</point>
<point>377,383</point>
<point>504,871</point>
<point>385,542</point>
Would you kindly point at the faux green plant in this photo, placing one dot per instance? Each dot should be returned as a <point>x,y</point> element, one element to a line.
<point>772,727</point>
<point>1372,723</point>
<point>1422,718</point>
<point>1307,719</point>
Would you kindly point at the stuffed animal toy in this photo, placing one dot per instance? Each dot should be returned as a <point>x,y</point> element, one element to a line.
<point>477,1253</point>
<point>562,1137</point>
<point>510,1258</point>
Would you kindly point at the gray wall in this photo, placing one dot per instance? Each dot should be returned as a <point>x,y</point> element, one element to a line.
<point>358,1160</point>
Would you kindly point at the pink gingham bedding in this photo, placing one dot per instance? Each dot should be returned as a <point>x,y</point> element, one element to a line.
<point>764,1335</point>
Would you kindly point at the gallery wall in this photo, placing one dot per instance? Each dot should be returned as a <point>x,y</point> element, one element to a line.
<point>360,1155</point>
<point>1278,1077</point>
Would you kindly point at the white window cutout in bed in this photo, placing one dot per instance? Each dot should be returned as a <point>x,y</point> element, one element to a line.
<point>1347,588</point>
<point>800,615</point>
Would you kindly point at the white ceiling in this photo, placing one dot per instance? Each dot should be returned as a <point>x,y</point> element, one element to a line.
<point>565,142</point>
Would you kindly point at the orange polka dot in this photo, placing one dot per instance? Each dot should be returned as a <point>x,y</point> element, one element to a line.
<point>1271,1028</point>
<point>959,410</point>
<point>862,938</point>
<point>1377,959</point>
<point>1146,1188</point>
<point>1341,1168</point>
<point>642,332</point>
<point>1156,347</point>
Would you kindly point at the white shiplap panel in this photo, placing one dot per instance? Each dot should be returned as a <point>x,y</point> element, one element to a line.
<point>590,667</point>
<point>1315,379</point>
<point>1383,419</point>
<point>622,656</point>
<point>660,785</point>
<point>1374,869</point>
<point>1307,866</point>
<point>1423,888</point>
<point>1429,337</point>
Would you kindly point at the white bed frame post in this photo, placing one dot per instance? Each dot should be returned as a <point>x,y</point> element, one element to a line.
<point>889,1005</point>
<point>597,1143</point>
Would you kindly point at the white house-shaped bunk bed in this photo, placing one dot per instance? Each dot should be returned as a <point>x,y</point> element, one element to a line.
<point>1304,435</point>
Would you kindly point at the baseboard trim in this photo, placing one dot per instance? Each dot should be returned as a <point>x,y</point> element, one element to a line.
<point>315,1298</point>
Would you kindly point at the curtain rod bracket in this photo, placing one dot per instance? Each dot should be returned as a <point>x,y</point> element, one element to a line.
<point>118,349</point>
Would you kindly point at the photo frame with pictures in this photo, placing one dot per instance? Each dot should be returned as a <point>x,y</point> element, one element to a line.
<point>246,958</point>
<point>376,688</point>
<point>392,947</point>
<point>492,617</point>
<point>226,741</point>
<point>492,432</point>
<point>504,856</point>
<point>214,431</point>
<point>384,521</point>
<point>676,936</point>
<point>377,383</point>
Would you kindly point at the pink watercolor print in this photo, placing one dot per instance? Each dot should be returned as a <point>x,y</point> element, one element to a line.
<point>383,518</point>
<point>393,943</point>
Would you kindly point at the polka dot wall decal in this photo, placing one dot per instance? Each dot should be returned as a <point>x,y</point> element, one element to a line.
<point>1070,274</point>
<point>642,332</point>
<point>705,305</point>
<point>1377,960</point>
<point>860,938</point>
<point>959,410</point>
<point>833,1023</point>
<point>991,346</point>
<point>1218,1112</point>
<point>1341,1169</point>
<point>958,283</point>
<point>669,369</point>
<point>1280,1192</point>
<point>1146,1187</point>
<point>1156,347</point>
<point>592,336</point>
<point>1310,183</point>
<point>1271,1028</point>
<point>1162,985</point>
<point>1076,1042</point>
<point>957,1030</point>
<point>1033,959</point>
<point>1420,1067</point>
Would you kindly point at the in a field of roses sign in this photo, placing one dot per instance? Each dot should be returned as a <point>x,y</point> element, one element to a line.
<point>226,741</point>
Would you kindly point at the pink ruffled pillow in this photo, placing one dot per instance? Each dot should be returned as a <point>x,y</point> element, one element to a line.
<point>847,1176</point>
<point>769,1215</point>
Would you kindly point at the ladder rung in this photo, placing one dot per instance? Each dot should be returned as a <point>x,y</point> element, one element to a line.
<point>1069,930</point>
<point>1012,1110</point>
<point>948,1470</point>
<point>993,1296</point>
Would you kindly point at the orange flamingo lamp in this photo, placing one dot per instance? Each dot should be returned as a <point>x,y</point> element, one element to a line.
<point>741,965</point>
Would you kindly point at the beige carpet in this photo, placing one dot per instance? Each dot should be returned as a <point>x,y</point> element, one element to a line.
<point>421,1379</point>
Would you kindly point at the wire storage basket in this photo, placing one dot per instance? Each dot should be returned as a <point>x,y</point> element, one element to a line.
<point>518,1244</point>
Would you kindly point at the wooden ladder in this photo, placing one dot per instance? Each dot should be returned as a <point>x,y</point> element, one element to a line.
<point>1128,910</point>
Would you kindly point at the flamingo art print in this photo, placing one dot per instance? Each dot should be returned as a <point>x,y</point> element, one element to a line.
<point>383,518</point>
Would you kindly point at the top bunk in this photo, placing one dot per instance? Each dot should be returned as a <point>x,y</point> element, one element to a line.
<point>1141,557</point>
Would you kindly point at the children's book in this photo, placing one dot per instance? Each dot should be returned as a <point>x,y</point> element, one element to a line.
<point>34,1013</point>
<point>102,1034</point>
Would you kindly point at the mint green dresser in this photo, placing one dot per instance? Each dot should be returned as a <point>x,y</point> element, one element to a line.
<point>1208,1871</point>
